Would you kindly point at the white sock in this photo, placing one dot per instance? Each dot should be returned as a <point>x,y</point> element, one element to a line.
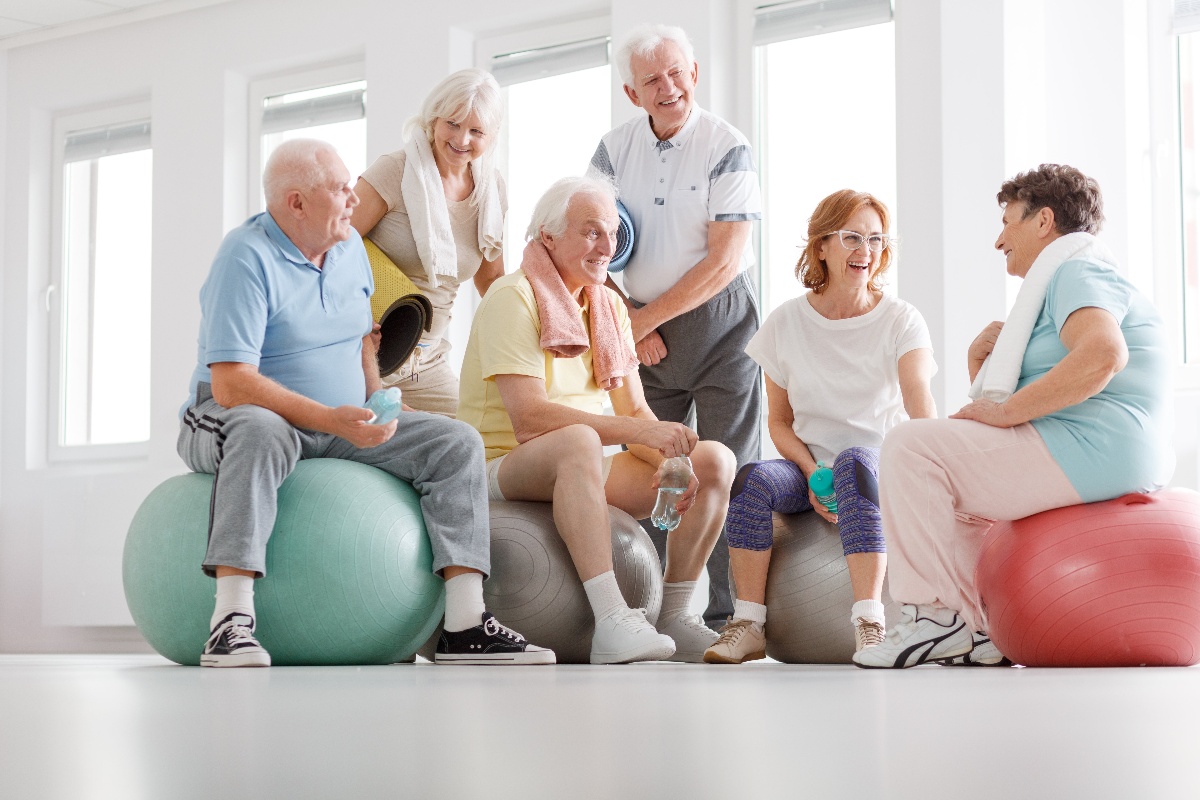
<point>871,609</point>
<point>755,612</point>
<point>604,595</point>
<point>234,593</point>
<point>464,602</point>
<point>676,597</point>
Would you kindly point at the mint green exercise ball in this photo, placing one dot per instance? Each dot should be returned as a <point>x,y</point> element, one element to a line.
<point>349,569</point>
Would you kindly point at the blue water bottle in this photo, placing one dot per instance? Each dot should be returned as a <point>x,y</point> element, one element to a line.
<point>821,483</point>
<point>385,404</point>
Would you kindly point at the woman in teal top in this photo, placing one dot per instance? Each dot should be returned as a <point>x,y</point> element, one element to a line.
<point>1075,408</point>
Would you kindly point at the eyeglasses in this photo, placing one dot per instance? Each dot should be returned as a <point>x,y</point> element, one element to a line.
<point>853,240</point>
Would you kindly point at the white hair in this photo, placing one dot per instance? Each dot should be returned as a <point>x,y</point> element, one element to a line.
<point>455,97</point>
<point>644,40</point>
<point>550,213</point>
<point>293,165</point>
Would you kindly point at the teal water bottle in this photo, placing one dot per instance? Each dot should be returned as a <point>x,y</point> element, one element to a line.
<point>821,483</point>
<point>385,404</point>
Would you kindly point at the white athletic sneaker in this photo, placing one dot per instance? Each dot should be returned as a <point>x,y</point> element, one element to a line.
<point>867,633</point>
<point>625,636</point>
<point>918,639</point>
<point>983,654</point>
<point>692,637</point>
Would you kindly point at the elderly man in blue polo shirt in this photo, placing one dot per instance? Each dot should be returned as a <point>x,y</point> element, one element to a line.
<point>688,179</point>
<point>286,361</point>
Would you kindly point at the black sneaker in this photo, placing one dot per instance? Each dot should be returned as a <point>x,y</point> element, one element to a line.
<point>489,643</point>
<point>232,644</point>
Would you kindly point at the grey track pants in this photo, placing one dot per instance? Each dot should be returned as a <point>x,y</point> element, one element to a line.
<point>708,382</point>
<point>250,451</point>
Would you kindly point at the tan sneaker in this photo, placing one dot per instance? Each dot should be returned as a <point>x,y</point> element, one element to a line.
<point>867,633</point>
<point>741,641</point>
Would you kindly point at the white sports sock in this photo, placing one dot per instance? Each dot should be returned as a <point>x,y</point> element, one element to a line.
<point>871,609</point>
<point>755,612</point>
<point>464,602</point>
<point>604,595</point>
<point>234,593</point>
<point>676,597</point>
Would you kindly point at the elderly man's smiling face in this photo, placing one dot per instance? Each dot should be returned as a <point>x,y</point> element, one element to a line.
<point>581,254</point>
<point>664,84</point>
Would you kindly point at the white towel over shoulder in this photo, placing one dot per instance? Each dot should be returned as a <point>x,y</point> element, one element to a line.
<point>997,378</point>
<point>429,215</point>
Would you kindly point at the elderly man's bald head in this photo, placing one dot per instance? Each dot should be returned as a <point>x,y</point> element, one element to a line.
<point>297,165</point>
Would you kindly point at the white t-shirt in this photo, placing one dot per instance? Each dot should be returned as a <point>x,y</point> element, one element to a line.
<point>841,375</point>
<point>673,190</point>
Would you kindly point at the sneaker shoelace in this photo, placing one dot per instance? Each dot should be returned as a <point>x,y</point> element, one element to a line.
<point>632,619</point>
<point>870,633</point>
<point>492,628</point>
<point>733,631</point>
<point>239,634</point>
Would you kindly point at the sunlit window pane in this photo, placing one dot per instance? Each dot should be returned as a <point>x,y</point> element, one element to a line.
<point>554,125</point>
<point>828,122</point>
<point>105,381</point>
<point>1189,141</point>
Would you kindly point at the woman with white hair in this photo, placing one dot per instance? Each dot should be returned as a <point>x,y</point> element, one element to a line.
<point>436,209</point>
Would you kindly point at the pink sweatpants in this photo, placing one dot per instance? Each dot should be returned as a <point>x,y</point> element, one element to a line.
<point>942,483</point>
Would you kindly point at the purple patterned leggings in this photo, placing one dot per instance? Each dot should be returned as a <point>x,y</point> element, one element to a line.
<point>765,486</point>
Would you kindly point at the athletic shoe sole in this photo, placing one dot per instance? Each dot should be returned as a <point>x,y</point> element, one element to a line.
<point>654,652</point>
<point>536,658</point>
<point>237,660</point>
<point>717,658</point>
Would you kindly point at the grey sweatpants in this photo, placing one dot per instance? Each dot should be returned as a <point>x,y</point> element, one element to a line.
<point>708,382</point>
<point>250,450</point>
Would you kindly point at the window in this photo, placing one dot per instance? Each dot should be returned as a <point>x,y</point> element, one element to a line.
<point>101,326</point>
<point>818,133</point>
<point>1189,159</point>
<point>328,104</point>
<point>557,107</point>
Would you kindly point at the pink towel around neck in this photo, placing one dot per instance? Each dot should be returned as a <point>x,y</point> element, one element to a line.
<point>563,333</point>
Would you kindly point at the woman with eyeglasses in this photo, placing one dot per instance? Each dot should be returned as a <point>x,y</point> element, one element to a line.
<point>844,363</point>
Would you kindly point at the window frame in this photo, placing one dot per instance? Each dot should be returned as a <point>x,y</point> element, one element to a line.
<point>302,80</point>
<point>63,125</point>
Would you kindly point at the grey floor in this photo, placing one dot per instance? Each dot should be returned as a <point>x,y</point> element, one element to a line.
<point>139,727</point>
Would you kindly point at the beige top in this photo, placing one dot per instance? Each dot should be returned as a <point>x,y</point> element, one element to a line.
<point>393,234</point>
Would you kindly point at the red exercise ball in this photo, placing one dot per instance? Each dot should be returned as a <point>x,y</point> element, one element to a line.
<point>1111,584</point>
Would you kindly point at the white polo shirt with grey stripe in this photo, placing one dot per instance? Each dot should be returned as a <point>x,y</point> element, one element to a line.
<point>673,189</point>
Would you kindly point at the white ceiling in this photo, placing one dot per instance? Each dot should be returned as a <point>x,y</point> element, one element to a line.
<point>33,19</point>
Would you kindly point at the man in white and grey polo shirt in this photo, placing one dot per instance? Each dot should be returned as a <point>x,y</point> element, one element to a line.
<point>688,179</point>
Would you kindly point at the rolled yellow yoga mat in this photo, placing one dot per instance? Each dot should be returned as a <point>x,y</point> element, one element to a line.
<point>400,309</point>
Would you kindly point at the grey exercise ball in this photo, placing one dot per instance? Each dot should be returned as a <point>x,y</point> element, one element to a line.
<point>809,595</point>
<point>534,589</point>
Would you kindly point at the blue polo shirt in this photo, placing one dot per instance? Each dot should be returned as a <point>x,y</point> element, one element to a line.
<point>1118,440</point>
<point>265,304</point>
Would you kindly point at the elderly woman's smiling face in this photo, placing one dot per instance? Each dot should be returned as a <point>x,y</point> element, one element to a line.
<point>1023,238</point>
<point>459,140</point>
<point>852,268</point>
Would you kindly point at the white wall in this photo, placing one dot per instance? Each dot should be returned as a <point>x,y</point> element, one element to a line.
<point>971,110</point>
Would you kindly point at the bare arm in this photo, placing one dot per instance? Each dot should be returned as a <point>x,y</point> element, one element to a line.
<point>1096,351</point>
<point>916,370</point>
<point>533,413</point>
<point>726,241</point>
<point>236,384</point>
<point>488,272</point>
<point>370,360</point>
<point>370,209</point>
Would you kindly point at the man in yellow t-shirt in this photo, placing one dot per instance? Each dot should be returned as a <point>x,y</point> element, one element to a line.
<point>544,428</point>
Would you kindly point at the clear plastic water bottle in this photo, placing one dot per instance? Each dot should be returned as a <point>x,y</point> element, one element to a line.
<point>674,475</point>
<point>385,404</point>
<point>821,483</point>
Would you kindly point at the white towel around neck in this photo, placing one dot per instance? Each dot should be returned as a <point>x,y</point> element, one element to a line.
<point>998,377</point>
<point>429,216</point>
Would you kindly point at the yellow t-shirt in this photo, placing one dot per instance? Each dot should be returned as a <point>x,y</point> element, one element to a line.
<point>505,340</point>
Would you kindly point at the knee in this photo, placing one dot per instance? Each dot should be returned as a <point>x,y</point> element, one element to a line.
<point>856,471</point>
<point>580,446</point>
<point>715,466</point>
<point>901,445</point>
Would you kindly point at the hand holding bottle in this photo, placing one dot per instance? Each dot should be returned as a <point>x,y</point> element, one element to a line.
<point>674,477</point>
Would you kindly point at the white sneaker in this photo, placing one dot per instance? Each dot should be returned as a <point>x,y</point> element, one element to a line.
<point>625,636</point>
<point>984,653</point>
<point>918,639</point>
<point>692,637</point>
<point>867,632</point>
